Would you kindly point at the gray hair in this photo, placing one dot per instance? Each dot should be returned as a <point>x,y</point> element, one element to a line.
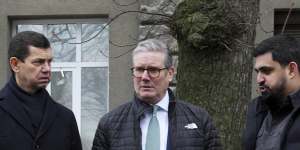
<point>154,45</point>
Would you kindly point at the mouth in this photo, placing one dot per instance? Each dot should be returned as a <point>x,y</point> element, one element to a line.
<point>146,87</point>
<point>44,79</point>
<point>263,89</point>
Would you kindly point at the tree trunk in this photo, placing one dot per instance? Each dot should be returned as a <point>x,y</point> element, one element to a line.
<point>217,76</point>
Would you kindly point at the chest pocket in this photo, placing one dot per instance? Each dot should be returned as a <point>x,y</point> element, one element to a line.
<point>190,134</point>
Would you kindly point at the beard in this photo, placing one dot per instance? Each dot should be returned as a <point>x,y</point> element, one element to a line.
<point>274,97</point>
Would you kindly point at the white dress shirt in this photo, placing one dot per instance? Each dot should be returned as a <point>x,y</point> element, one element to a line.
<point>162,116</point>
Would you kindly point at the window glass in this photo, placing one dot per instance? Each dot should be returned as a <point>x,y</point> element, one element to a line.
<point>95,43</point>
<point>61,36</point>
<point>61,88</point>
<point>36,28</point>
<point>94,95</point>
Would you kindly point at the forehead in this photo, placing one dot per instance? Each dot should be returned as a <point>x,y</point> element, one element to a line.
<point>149,59</point>
<point>44,53</point>
<point>265,60</point>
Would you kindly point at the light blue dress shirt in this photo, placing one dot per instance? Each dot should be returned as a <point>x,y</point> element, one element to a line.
<point>162,116</point>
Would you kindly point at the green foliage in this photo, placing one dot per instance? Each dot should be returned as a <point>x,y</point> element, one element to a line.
<point>205,24</point>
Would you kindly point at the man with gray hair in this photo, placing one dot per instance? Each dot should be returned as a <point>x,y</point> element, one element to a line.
<point>154,120</point>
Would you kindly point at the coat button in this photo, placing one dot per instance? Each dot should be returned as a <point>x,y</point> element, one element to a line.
<point>37,146</point>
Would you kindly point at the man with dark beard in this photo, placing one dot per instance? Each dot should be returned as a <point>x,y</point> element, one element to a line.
<point>273,119</point>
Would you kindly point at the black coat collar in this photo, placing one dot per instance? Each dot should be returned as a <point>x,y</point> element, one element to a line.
<point>295,99</point>
<point>261,107</point>
<point>10,104</point>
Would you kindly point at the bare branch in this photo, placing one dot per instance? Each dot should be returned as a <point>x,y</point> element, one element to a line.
<point>162,19</point>
<point>131,49</point>
<point>287,17</point>
<point>171,1</point>
<point>261,27</point>
<point>147,35</point>
<point>119,4</point>
<point>121,45</point>
<point>152,21</point>
<point>244,43</point>
<point>108,23</point>
<point>226,46</point>
<point>155,21</point>
<point>114,57</point>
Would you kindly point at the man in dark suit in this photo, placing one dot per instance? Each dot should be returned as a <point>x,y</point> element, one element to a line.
<point>30,119</point>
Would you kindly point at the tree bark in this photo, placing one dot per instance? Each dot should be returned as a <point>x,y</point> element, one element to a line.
<point>218,76</point>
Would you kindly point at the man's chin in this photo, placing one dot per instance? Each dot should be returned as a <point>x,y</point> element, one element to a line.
<point>148,97</point>
<point>265,93</point>
<point>43,84</point>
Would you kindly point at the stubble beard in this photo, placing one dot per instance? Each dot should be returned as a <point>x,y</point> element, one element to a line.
<point>275,98</point>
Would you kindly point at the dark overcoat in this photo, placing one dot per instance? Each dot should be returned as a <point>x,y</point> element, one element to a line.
<point>58,130</point>
<point>257,111</point>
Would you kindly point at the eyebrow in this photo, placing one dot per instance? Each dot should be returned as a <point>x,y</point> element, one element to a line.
<point>42,59</point>
<point>263,68</point>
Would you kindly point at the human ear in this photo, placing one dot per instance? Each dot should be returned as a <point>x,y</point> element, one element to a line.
<point>14,64</point>
<point>171,72</point>
<point>292,69</point>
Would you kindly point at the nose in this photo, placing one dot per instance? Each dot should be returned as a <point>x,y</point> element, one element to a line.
<point>260,79</point>
<point>46,67</point>
<point>145,75</point>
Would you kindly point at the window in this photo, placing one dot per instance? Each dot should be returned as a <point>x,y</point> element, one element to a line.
<point>293,24</point>
<point>79,68</point>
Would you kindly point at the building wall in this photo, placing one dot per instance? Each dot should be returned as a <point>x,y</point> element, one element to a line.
<point>122,30</point>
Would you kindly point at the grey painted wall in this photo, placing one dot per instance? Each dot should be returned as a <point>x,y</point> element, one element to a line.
<point>123,30</point>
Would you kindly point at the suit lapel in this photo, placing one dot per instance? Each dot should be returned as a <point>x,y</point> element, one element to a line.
<point>10,104</point>
<point>48,117</point>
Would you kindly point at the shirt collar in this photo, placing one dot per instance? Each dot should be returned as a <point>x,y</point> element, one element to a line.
<point>164,103</point>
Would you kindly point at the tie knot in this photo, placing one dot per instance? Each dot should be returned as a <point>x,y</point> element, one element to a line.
<point>155,108</point>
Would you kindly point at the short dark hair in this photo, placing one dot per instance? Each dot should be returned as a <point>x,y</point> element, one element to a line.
<point>284,49</point>
<point>19,45</point>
